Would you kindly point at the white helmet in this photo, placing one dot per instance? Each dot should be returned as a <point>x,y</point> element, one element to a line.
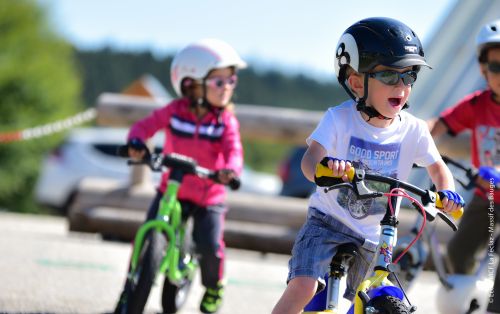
<point>199,58</point>
<point>467,291</point>
<point>488,35</point>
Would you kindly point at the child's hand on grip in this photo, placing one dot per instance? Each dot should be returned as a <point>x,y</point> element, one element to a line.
<point>331,171</point>
<point>450,202</point>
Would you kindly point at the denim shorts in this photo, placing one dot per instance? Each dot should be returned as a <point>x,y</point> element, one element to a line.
<point>317,243</point>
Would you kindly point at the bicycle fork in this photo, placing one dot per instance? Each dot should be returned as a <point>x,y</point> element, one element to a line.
<point>382,270</point>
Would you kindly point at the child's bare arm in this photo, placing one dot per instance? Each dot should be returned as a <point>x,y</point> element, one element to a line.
<point>437,128</point>
<point>314,153</point>
<point>441,176</point>
<point>443,179</point>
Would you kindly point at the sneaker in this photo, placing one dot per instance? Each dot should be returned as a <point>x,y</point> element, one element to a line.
<point>212,299</point>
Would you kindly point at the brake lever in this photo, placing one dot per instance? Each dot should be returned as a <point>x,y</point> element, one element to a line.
<point>448,221</point>
<point>429,204</point>
<point>431,211</point>
<point>362,192</point>
<point>357,185</point>
<point>339,186</point>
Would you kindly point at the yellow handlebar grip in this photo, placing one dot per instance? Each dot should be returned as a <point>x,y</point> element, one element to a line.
<point>350,173</point>
<point>439,204</point>
<point>324,171</point>
<point>455,214</point>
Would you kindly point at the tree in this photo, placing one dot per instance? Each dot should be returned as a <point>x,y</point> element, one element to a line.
<point>38,84</point>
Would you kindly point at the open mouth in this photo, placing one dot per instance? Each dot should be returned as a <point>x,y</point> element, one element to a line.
<point>395,102</point>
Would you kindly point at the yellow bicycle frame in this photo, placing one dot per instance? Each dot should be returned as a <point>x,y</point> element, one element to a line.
<point>377,280</point>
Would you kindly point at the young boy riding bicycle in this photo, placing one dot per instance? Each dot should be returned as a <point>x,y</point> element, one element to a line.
<point>377,62</point>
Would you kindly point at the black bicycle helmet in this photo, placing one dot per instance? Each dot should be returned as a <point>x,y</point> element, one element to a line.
<point>376,41</point>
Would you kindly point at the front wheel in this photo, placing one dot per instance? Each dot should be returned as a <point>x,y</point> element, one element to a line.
<point>143,278</point>
<point>388,304</point>
<point>175,296</point>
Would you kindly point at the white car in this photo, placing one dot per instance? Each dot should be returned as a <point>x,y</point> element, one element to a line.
<point>91,152</point>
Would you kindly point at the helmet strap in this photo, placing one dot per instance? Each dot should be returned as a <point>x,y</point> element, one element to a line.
<point>342,80</point>
<point>368,110</point>
<point>361,102</point>
<point>202,101</point>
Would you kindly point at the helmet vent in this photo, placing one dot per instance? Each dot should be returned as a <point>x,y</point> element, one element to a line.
<point>494,28</point>
<point>393,32</point>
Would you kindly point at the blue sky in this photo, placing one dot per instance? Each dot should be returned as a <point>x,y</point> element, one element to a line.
<point>296,36</point>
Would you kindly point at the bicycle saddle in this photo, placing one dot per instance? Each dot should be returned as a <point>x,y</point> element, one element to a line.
<point>345,253</point>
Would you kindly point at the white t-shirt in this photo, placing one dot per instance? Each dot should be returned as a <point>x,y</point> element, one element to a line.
<point>389,151</point>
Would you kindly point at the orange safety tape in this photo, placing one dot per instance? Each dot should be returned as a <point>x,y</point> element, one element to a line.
<point>47,129</point>
<point>10,137</point>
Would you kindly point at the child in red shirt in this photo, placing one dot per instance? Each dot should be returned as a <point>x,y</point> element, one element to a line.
<point>480,113</point>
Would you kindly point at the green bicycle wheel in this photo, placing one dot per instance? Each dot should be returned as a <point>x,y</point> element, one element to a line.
<point>388,304</point>
<point>150,259</point>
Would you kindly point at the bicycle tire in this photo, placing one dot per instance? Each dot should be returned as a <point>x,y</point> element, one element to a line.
<point>148,265</point>
<point>388,304</point>
<point>174,296</point>
<point>121,306</point>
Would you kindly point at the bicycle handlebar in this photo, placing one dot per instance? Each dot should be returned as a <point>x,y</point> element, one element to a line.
<point>357,178</point>
<point>185,164</point>
<point>471,173</point>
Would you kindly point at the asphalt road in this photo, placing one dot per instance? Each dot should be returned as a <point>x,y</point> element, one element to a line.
<point>46,269</point>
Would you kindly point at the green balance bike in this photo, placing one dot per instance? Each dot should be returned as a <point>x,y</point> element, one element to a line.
<point>163,245</point>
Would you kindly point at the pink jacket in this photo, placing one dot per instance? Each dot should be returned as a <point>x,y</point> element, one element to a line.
<point>213,141</point>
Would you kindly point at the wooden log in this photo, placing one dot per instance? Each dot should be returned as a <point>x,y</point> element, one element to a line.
<point>118,110</point>
<point>256,122</point>
<point>94,192</point>
<point>283,125</point>
<point>254,222</point>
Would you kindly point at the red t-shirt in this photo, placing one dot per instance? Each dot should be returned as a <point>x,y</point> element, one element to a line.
<point>479,113</point>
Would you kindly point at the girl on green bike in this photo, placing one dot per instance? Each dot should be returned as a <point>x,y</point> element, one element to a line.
<point>200,124</point>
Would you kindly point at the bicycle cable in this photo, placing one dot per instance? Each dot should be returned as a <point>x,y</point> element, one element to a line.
<point>402,193</point>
